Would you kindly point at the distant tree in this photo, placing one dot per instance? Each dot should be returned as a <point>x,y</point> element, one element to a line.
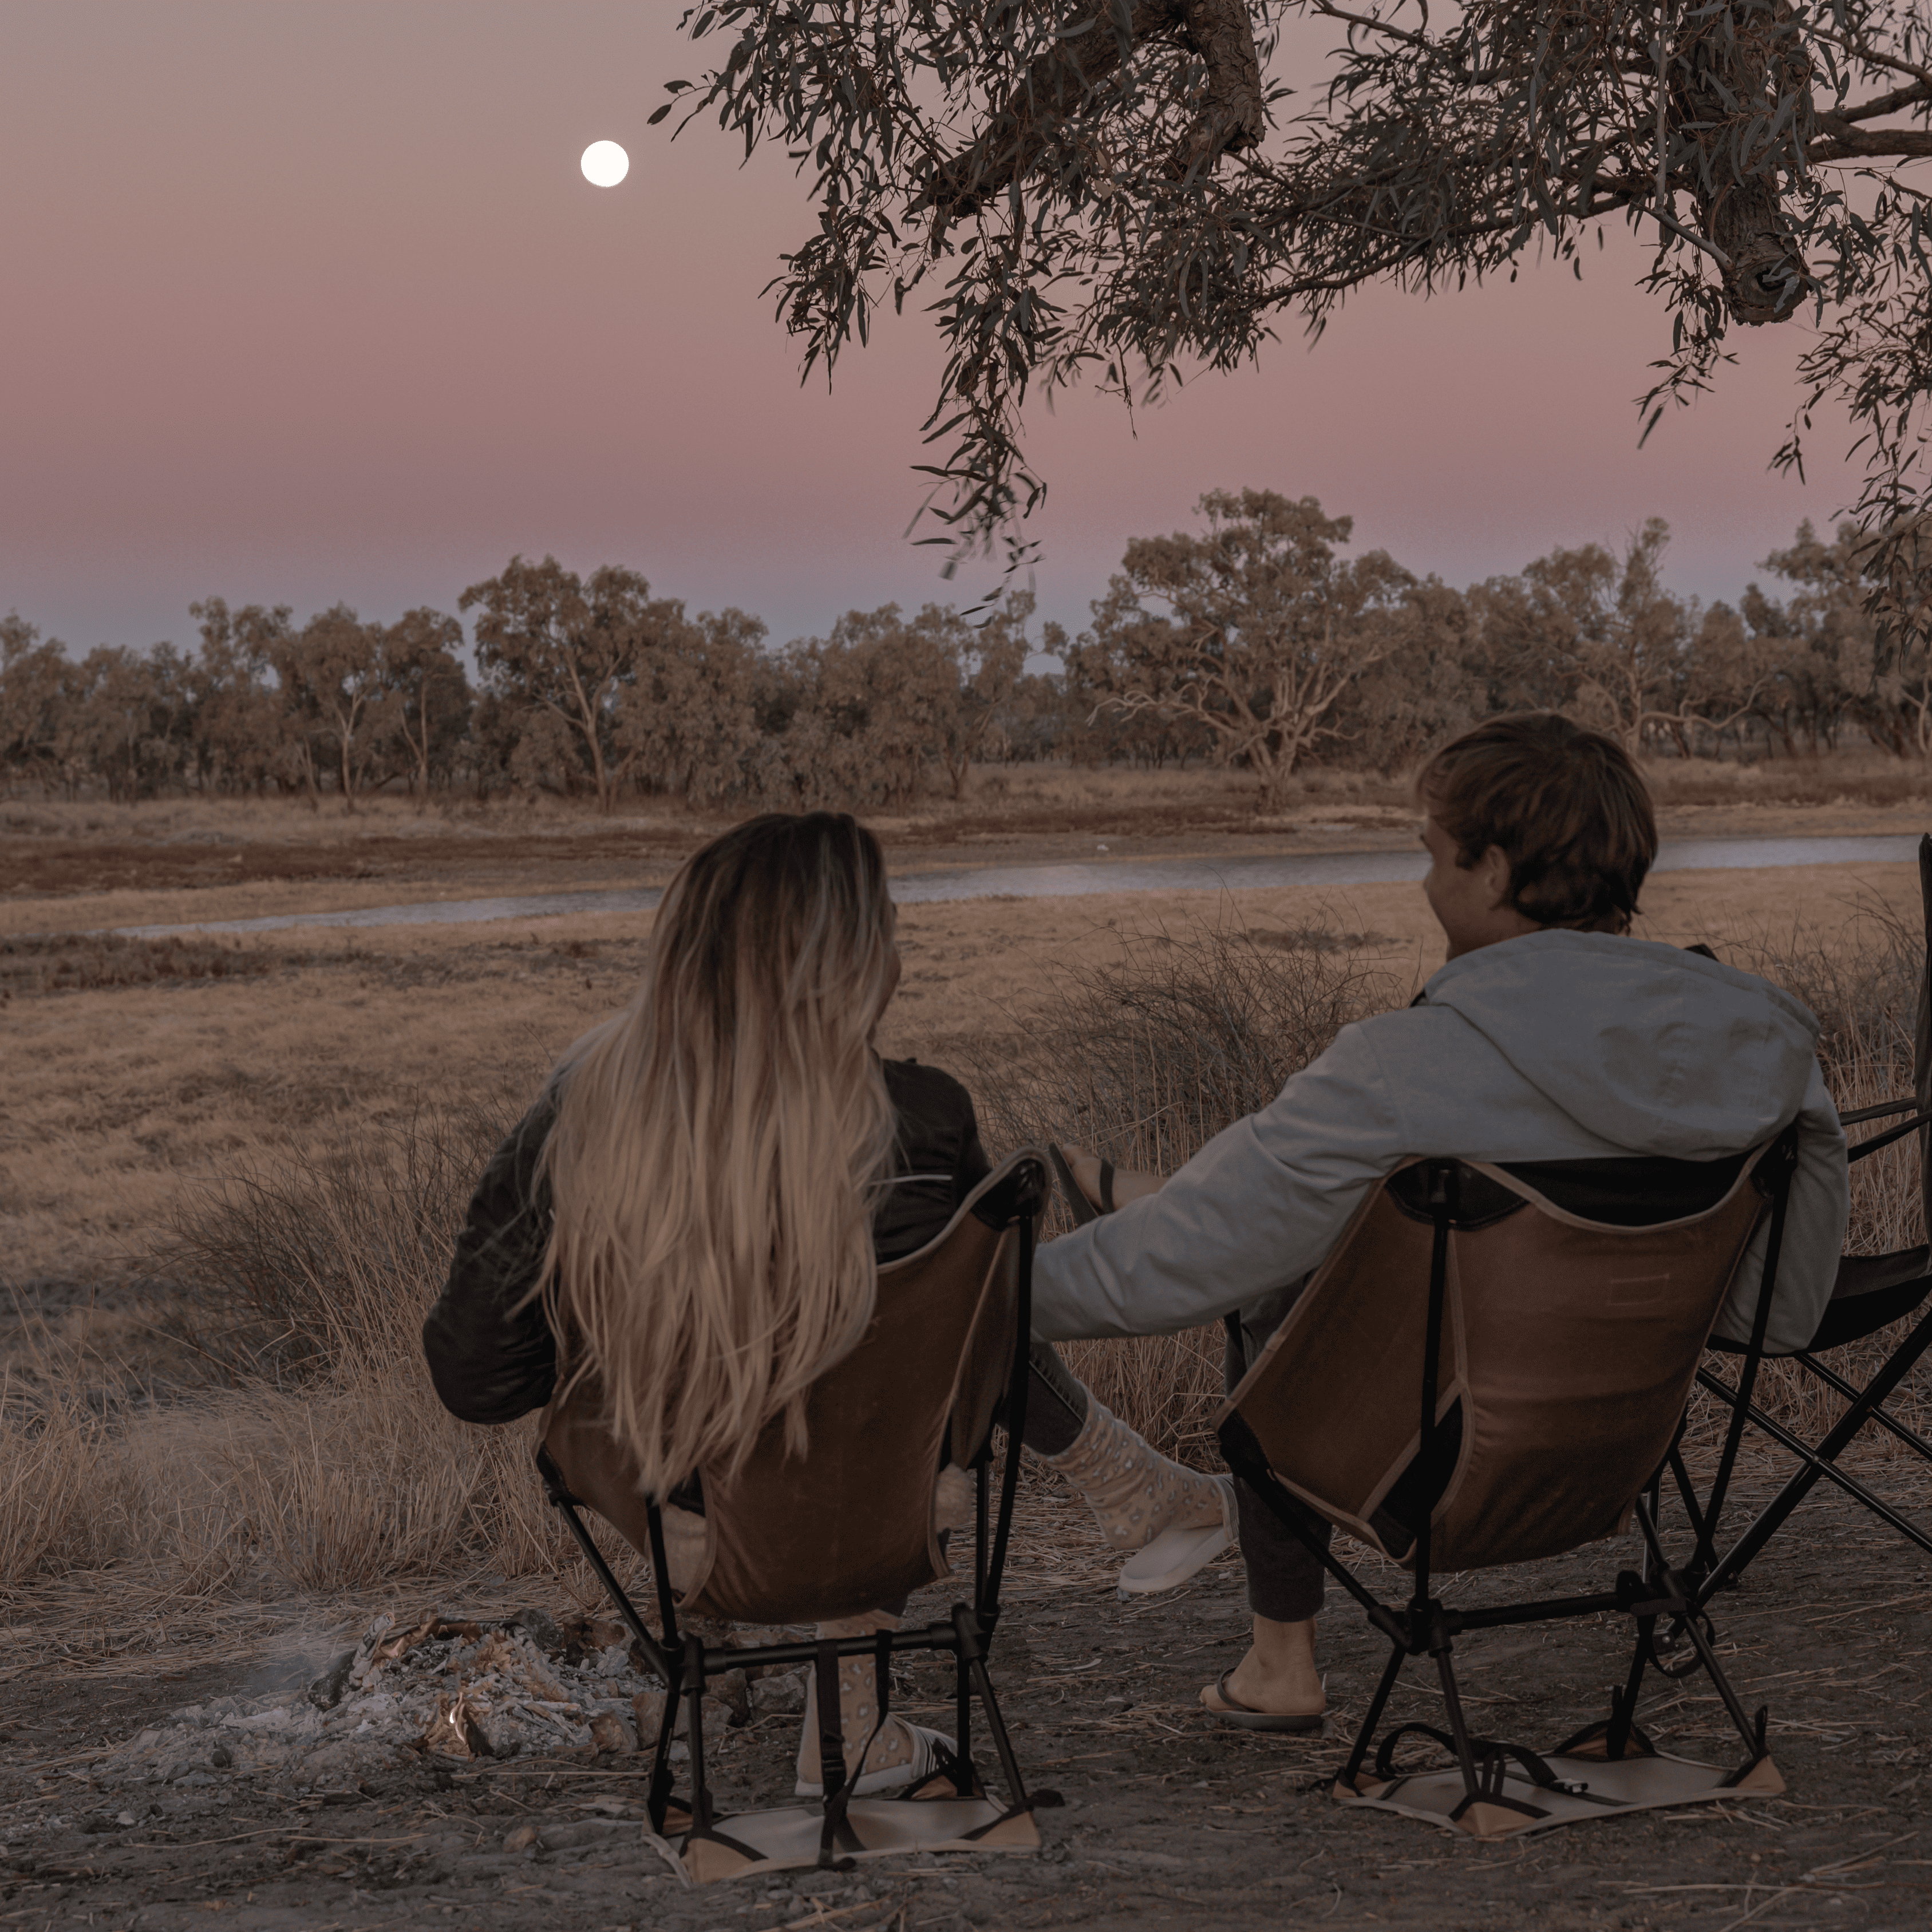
<point>989,659</point>
<point>332,684</point>
<point>546,639</point>
<point>1725,676</point>
<point>1264,629</point>
<point>35,678</point>
<point>1428,686</point>
<point>1119,191</point>
<point>869,707</point>
<point>125,719</point>
<point>1127,649</point>
<point>1899,571</point>
<point>425,678</point>
<point>1851,640</point>
<point>687,724</point>
<point>234,726</point>
<point>1624,632</point>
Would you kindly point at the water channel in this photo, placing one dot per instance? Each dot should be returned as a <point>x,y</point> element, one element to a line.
<point>1078,880</point>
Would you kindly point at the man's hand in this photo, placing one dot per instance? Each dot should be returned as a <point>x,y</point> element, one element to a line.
<point>1129,1184</point>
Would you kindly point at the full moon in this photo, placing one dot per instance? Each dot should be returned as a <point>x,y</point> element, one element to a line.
<point>604,163</point>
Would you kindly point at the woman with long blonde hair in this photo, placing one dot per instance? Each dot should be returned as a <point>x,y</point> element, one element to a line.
<point>692,1216</point>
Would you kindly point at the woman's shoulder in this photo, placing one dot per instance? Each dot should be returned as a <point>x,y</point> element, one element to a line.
<point>913,1085</point>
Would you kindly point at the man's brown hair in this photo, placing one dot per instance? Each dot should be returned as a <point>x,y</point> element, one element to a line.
<point>1565,804</point>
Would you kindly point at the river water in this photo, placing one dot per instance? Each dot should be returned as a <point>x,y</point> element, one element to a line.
<point>1079,880</point>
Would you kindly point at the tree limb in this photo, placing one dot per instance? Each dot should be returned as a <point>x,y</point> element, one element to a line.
<point>1060,84</point>
<point>1856,143</point>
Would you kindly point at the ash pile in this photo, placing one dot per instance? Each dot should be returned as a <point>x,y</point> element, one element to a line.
<point>443,1688</point>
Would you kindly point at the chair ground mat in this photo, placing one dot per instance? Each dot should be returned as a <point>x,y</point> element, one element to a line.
<point>1646,1784</point>
<point>749,1842</point>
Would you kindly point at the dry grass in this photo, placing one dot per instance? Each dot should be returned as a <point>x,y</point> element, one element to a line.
<point>321,1460</point>
<point>68,962</point>
<point>315,1129</point>
<point>53,1457</point>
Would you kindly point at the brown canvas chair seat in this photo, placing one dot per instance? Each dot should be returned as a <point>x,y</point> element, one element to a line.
<point>847,1527</point>
<point>1871,1292</point>
<point>1490,1368</point>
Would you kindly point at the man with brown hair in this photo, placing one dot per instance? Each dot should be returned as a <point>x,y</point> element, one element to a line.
<point>1548,1034</point>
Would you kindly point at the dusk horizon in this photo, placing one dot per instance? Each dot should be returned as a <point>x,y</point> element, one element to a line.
<point>321,310</point>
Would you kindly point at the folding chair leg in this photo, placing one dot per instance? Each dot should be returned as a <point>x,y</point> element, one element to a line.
<point>1009,1769</point>
<point>1694,1510</point>
<point>663,1778</point>
<point>1365,1735</point>
<point>1821,1460</point>
<point>1459,1730</point>
<point>1679,1586</point>
<point>694,1691</point>
<point>1623,1703</point>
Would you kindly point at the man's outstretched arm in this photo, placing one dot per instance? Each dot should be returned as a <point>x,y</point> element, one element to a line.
<point>1259,1206</point>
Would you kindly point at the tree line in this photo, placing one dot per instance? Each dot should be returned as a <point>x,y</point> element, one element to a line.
<point>1250,640</point>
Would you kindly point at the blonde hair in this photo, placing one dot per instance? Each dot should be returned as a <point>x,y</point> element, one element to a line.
<point>718,1146</point>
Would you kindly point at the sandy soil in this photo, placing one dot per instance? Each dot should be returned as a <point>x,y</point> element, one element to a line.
<point>1168,1821</point>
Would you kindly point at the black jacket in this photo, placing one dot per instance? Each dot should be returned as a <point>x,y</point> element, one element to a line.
<point>492,1355</point>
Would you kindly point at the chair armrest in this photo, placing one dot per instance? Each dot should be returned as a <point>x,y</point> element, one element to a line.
<point>1082,1210</point>
<point>1882,1111</point>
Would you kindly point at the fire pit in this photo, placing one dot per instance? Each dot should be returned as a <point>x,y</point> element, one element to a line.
<point>443,1687</point>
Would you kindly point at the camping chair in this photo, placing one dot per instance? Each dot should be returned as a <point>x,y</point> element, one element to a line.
<point>847,1527</point>
<point>1549,1317</point>
<point>1872,1292</point>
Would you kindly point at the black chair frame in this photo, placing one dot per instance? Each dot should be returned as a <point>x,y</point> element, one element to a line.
<point>1850,1319</point>
<point>685,1664</point>
<point>1427,1625</point>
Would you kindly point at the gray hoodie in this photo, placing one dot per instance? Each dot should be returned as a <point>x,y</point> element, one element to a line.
<point>1556,1046</point>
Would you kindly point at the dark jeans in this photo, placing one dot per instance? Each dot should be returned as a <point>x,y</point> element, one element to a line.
<point>1056,1402</point>
<point>1285,1580</point>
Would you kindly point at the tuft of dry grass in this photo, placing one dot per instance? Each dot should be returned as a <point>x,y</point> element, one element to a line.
<point>53,1455</point>
<point>323,1264</point>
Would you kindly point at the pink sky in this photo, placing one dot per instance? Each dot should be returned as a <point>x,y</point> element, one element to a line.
<point>310,302</point>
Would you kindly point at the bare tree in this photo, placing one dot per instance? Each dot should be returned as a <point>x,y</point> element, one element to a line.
<point>235,726</point>
<point>425,679</point>
<point>1111,188</point>
<point>333,685</point>
<point>547,638</point>
<point>35,682</point>
<point>1263,631</point>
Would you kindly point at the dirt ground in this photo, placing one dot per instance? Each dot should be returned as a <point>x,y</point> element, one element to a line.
<point>70,867</point>
<point>1168,1821</point>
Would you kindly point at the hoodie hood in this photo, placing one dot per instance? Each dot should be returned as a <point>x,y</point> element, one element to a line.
<point>1643,1044</point>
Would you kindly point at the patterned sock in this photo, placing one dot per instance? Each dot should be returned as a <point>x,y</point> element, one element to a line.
<point>858,1708</point>
<point>1134,1492</point>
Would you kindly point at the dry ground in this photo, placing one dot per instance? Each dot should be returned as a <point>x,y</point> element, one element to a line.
<point>135,1072</point>
<point>1168,1821</point>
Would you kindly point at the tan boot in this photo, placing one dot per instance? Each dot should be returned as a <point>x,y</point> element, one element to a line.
<point>902,1754</point>
<point>1178,1518</point>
